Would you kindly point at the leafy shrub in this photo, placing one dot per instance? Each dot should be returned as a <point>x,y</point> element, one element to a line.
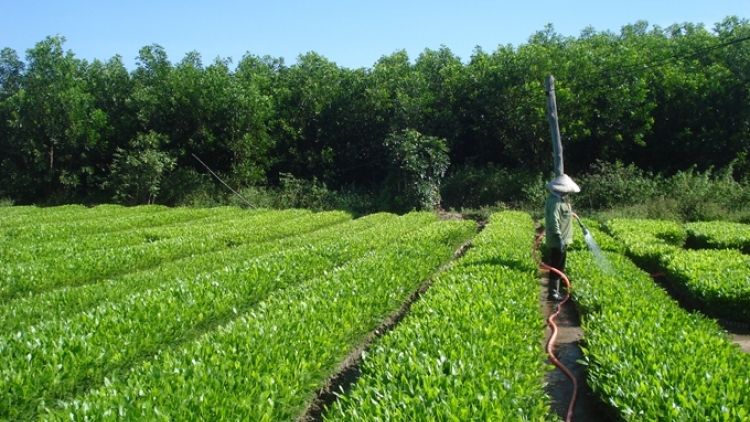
<point>187,187</point>
<point>136,174</point>
<point>418,165</point>
<point>295,192</point>
<point>707,196</point>
<point>476,187</point>
<point>615,185</point>
<point>617,190</point>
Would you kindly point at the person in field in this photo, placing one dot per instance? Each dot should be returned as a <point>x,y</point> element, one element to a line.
<point>558,224</point>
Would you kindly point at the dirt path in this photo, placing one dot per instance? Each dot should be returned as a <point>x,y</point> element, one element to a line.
<point>740,334</point>
<point>568,351</point>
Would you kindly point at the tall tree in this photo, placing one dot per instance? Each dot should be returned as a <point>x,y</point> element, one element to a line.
<point>249,114</point>
<point>305,94</point>
<point>54,124</point>
<point>11,77</point>
<point>111,89</point>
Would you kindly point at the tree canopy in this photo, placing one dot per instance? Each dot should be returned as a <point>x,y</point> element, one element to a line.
<point>662,99</point>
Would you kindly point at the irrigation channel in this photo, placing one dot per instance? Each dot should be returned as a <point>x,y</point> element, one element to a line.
<point>567,349</point>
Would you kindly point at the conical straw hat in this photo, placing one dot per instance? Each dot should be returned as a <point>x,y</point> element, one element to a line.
<point>563,184</point>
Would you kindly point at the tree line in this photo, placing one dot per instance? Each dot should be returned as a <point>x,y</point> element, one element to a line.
<point>661,99</point>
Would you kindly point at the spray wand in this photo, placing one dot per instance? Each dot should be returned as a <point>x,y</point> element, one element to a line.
<point>580,223</point>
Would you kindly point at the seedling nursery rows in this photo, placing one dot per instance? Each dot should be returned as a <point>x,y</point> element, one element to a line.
<point>155,313</point>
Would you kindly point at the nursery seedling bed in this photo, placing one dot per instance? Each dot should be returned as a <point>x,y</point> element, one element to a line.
<point>350,370</point>
<point>740,331</point>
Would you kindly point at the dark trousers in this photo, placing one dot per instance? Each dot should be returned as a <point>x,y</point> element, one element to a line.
<point>557,261</point>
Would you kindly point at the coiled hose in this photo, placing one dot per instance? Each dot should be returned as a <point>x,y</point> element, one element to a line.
<point>553,327</point>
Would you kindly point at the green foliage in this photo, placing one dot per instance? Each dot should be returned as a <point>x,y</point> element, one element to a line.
<point>715,281</point>
<point>472,187</point>
<point>417,166</point>
<point>136,174</point>
<point>468,350</point>
<point>615,185</point>
<point>647,357</point>
<point>614,191</point>
<point>718,235</point>
<point>605,241</point>
<point>64,121</point>
<point>242,303</point>
<point>707,196</point>
<point>188,187</point>
<point>298,193</point>
<point>51,124</point>
<point>236,326</point>
<point>268,237</point>
<point>646,241</point>
<point>184,304</point>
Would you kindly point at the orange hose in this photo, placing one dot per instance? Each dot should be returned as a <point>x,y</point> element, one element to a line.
<point>551,323</point>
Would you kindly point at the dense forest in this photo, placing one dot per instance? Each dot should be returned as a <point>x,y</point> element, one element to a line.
<point>659,100</point>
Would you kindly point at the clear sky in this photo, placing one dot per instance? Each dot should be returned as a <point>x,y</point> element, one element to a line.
<point>351,33</point>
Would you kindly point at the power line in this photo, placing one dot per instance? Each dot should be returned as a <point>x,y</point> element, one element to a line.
<point>675,57</point>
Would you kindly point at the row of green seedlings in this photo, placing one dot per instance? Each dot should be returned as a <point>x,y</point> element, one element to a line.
<point>63,222</point>
<point>648,357</point>
<point>23,215</point>
<point>718,235</point>
<point>61,356</point>
<point>267,363</point>
<point>145,290</point>
<point>91,265</point>
<point>67,300</point>
<point>718,276</point>
<point>714,281</point>
<point>121,231</point>
<point>470,348</point>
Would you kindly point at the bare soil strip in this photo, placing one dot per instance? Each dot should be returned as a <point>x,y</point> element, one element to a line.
<point>350,368</point>
<point>739,332</point>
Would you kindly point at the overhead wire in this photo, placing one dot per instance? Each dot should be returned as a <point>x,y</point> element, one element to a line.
<point>617,71</point>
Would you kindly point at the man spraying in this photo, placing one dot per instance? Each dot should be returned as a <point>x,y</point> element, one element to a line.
<point>558,223</point>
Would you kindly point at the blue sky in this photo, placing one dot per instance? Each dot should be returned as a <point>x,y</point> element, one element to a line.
<point>352,34</point>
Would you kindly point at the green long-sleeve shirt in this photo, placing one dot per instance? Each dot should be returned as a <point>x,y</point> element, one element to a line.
<point>558,222</point>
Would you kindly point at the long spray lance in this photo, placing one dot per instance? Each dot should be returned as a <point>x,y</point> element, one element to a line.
<point>580,223</point>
